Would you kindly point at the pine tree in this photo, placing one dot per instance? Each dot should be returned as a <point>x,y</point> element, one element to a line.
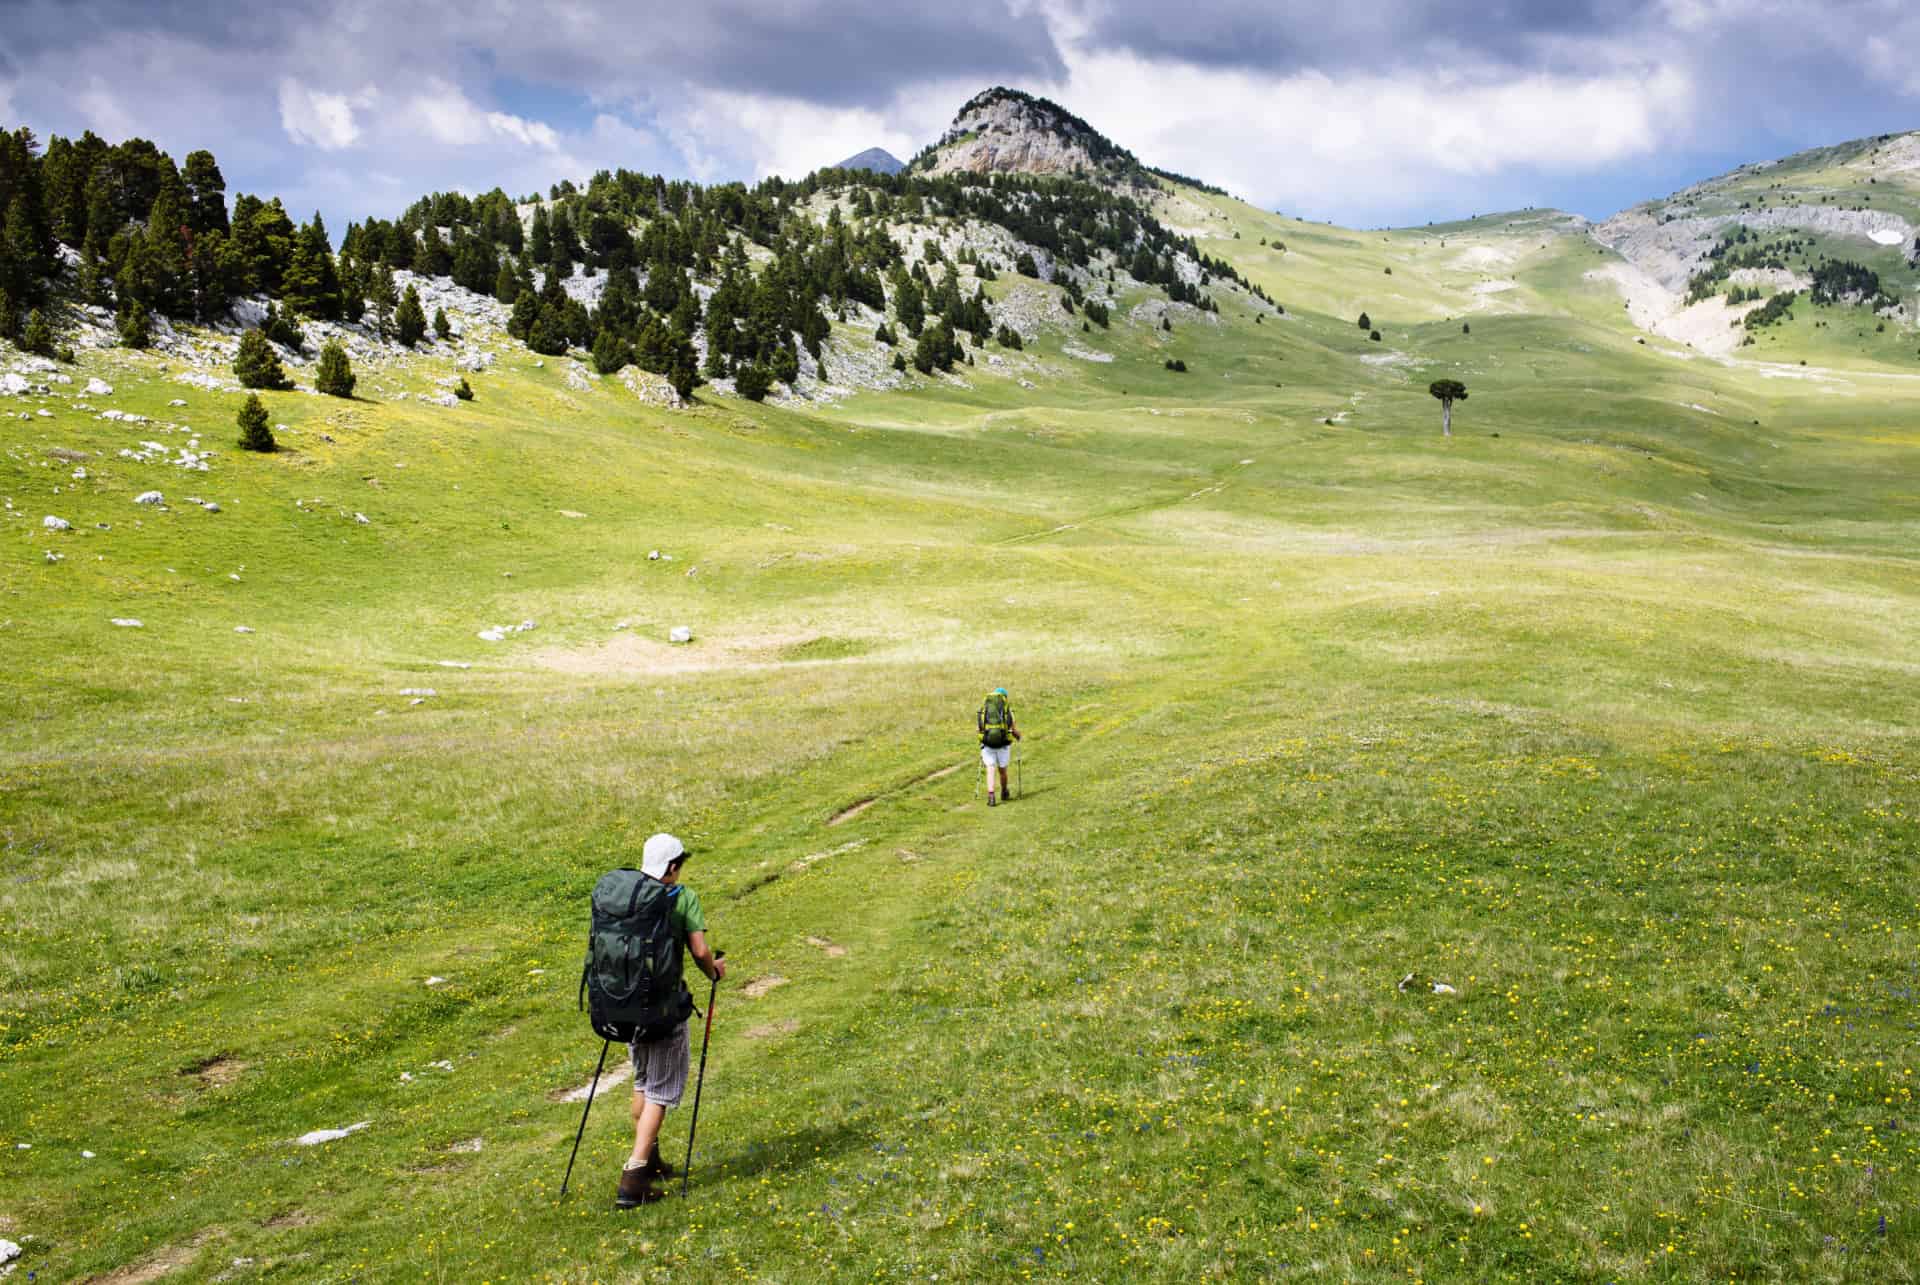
<point>409,320</point>
<point>206,194</point>
<point>311,283</point>
<point>526,311</point>
<point>610,352</point>
<point>334,375</point>
<point>441,326</point>
<point>752,382</point>
<point>255,435</point>
<point>505,287</point>
<point>256,365</point>
<point>9,320</point>
<point>381,295</point>
<point>136,329</point>
<point>38,336</point>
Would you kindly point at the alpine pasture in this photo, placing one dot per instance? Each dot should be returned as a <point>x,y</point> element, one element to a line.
<point>1473,860</point>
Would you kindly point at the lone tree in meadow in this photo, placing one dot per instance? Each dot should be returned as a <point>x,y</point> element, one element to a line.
<point>1448,391</point>
<point>256,365</point>
<point>254,433</point>
<point>334,377</point>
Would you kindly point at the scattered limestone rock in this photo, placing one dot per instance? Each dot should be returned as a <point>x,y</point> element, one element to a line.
<point>436,981</point>
<point>361,519</point>
<point>153,498</point>
<point>127,622</point>
<point>418,691</point>
<point>319,1136</point>
<point>99,388</point>
<point>469,1147</point>
<point>52,523</point>
<point>9,1251</point>
<point>680,634</point>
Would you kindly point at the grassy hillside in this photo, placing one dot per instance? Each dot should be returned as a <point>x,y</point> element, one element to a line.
<point>1598,715</point>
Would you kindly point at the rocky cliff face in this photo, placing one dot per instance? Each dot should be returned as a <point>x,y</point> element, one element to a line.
<point>1007,132</point>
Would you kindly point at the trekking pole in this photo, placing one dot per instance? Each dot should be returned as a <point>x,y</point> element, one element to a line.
<point>604,1046</point>
<point>686,1170</point>
<point>1019,777</point>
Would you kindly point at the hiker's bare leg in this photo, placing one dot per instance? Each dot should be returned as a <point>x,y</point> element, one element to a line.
<point>1005,792</point>
<point>646,1129</point>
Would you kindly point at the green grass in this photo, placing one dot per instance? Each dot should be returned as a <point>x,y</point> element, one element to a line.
<point>1599,713</point>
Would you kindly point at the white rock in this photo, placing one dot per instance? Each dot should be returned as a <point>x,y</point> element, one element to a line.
<point>242,629</point>
<point>150,497</point>
<point>406,1077</point>
<point>441,1065</point>
<point>361,518</point>
<point>24,1146</point>
<point>12,385</point>
<point>128,622</point>
<point>680,634</point>
<point>455,664</point>
<point>86,1155</point>
<point>211,507</point>
<point>469,1146</point>
<point>99,388</point>
<point>1441,988</point>
<point>319,1136</point>
<point>52,523</point>
<point>654,556</point>
<point>435,981</point>
<point>44,413</point>
<point>177,402</point>
<point>418,691</point>
<point>8,1251</point>
<point>494,634</point>
<point>55,557</point>
<point>80,475</point>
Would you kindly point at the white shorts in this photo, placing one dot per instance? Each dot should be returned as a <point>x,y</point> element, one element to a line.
<point>996,757</point>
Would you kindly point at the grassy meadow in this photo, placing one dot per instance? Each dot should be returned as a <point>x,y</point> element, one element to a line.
<point>1486,859</point>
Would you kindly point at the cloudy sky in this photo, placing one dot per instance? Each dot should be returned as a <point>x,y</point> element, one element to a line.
<point>1365,112</point>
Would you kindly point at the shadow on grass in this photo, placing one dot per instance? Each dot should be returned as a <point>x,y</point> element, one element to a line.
<point>785,1154</point>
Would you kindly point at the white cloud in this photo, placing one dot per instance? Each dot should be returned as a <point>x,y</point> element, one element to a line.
<point>718,129</point>
<point>6,102</point>
<point>321,120</point>
<point>451,117</point>
<point>102,110</point>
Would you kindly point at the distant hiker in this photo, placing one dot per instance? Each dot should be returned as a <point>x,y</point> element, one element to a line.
<point>997,735</point>
<point>660,1063</point>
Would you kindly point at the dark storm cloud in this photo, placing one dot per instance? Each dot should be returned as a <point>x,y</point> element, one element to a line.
<point>1286,36</point>
<point>836,52</point>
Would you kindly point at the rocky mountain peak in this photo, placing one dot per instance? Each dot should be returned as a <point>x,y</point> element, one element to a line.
<point>1005,131</point>
<point>877,159</point>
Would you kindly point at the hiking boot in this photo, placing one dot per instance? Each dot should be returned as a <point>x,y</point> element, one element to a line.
<point>990,799</point>
<point>636,1189</point>
<point>657,1166</point>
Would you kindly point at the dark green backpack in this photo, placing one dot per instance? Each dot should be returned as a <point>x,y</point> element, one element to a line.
<point>632,984</point>
<point>996,722</point>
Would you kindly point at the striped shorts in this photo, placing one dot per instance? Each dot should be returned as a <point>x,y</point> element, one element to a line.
<point>660,1067</point>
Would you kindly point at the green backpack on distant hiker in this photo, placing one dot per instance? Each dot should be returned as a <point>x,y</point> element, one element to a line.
<point>996,721</point>
<point>632,982</point>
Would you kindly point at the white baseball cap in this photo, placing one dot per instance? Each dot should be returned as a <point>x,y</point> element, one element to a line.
<point>662,850</point>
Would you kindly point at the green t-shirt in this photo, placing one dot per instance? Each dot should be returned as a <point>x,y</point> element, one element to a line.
<point>687,916</point>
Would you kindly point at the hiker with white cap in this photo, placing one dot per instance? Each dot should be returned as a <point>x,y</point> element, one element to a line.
<point>660,1064</point>
<point>997,735</point>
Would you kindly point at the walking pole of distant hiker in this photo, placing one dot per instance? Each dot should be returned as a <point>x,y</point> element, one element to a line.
<point>636,992</point>
<point>686,1170</point>
<point>998,732</point>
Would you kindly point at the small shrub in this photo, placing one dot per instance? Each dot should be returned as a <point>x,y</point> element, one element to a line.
<point>256,365</point>
<point>255,435</point>
<point>1366,322</point>
<point>134,326</point>
<point>752,382</point>
<point>38,336</point>
<point>1374,335</point>
<point>334,375</point>
<point>1176,365</point>
<point>441,326</point>
<point>899,362</point>
<point>463,390</point>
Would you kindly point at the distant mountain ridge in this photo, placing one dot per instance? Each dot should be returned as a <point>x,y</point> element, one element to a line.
<point>877,160</point>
